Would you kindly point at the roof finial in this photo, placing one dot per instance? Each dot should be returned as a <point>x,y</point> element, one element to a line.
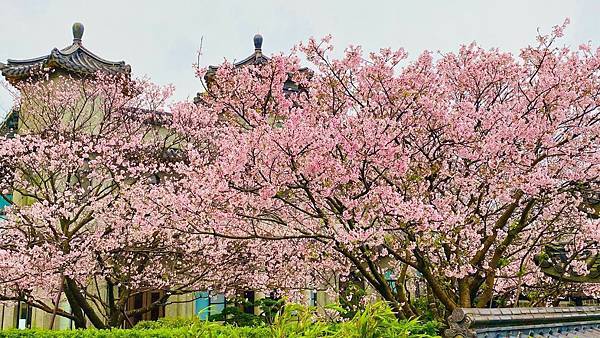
<point>258,39</point>
<point>77,32</point>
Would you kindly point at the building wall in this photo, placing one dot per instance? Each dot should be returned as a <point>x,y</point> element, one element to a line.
<point>184,306</point>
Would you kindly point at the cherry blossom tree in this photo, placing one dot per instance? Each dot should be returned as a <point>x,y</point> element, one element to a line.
<point>87,155</point>
<point>461,168</point>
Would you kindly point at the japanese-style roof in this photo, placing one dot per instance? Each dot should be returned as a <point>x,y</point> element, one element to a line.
<point>75,59</point>
<point>554,260</point>
<point>256,58</point>
<point>557,322</point>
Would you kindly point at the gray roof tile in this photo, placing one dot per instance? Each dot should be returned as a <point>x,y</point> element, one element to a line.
<point>72,59</point>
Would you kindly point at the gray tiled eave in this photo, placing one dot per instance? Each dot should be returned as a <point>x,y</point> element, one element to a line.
<point>74,59</point>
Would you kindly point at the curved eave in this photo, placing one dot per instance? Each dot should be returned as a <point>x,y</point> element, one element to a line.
<point>254,59</point>
<point>555,258</point>
<point>26,61</point>
<point>72,59</point>
<point>76,47</point>
<point>558,274</point>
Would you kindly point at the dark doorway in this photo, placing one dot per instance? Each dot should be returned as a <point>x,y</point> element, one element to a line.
<point>144,301</point>
<point>249,301</point>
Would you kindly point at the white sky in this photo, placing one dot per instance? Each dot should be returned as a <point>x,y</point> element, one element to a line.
<point>160,38</point>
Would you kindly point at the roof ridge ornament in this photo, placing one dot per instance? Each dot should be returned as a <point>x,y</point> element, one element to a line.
<point>256,58</point>
<point>73,59</point>
<point>258,40</point>
<point>77,32</point>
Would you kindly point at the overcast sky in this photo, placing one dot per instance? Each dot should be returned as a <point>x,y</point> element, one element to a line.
<point>160,38</point>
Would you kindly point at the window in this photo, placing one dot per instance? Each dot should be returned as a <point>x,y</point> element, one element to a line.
<point>389,278</point>
<point>143,301</point>
<point>217,303</point>
<point>207,305</point>
<point>312,301</point>
<point>138,303</point>
<point>5,201</point>
<point>155,313</point>
<point>249,301</point>
<point>23,312</point>
<point>202,305</point>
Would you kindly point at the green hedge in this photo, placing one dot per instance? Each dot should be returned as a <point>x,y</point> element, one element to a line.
<point>377,320</point>
<point>140,333</point>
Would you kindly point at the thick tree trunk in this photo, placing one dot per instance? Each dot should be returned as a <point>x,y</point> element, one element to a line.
<point>115,312</point>
<point>79,319</point>
<point>77,298</point>
<point>433,305</point>
<point>402,294</point>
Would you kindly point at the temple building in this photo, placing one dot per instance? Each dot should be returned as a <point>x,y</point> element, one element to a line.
<point>74,60</point>
<point>77,61</point>
<point>256,58</point>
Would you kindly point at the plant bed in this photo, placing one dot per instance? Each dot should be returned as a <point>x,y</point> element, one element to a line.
<point>376,320</point>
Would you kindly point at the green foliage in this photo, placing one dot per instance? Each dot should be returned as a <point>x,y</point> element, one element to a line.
<point>269,308</point>
<point>92,333</point>
<point>232,314</point>
<point>168,323</point>
<point>299,321</point>
<point>202,329</point>
<point>293,320</point>
<point>351,299</point>
<point>378,320</point>
<point>424,308</point>
<point>429,328</point>
<point>502,262</point>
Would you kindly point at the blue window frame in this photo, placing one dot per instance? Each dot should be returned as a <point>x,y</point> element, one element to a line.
<point>390,280</point>
<point>206,305</point>
<point>4,202</point>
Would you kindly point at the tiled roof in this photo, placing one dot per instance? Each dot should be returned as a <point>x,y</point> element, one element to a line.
<point>581,321</point>
<point>555,263</point>
<point>256,58</point>
<point>72,59</point>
